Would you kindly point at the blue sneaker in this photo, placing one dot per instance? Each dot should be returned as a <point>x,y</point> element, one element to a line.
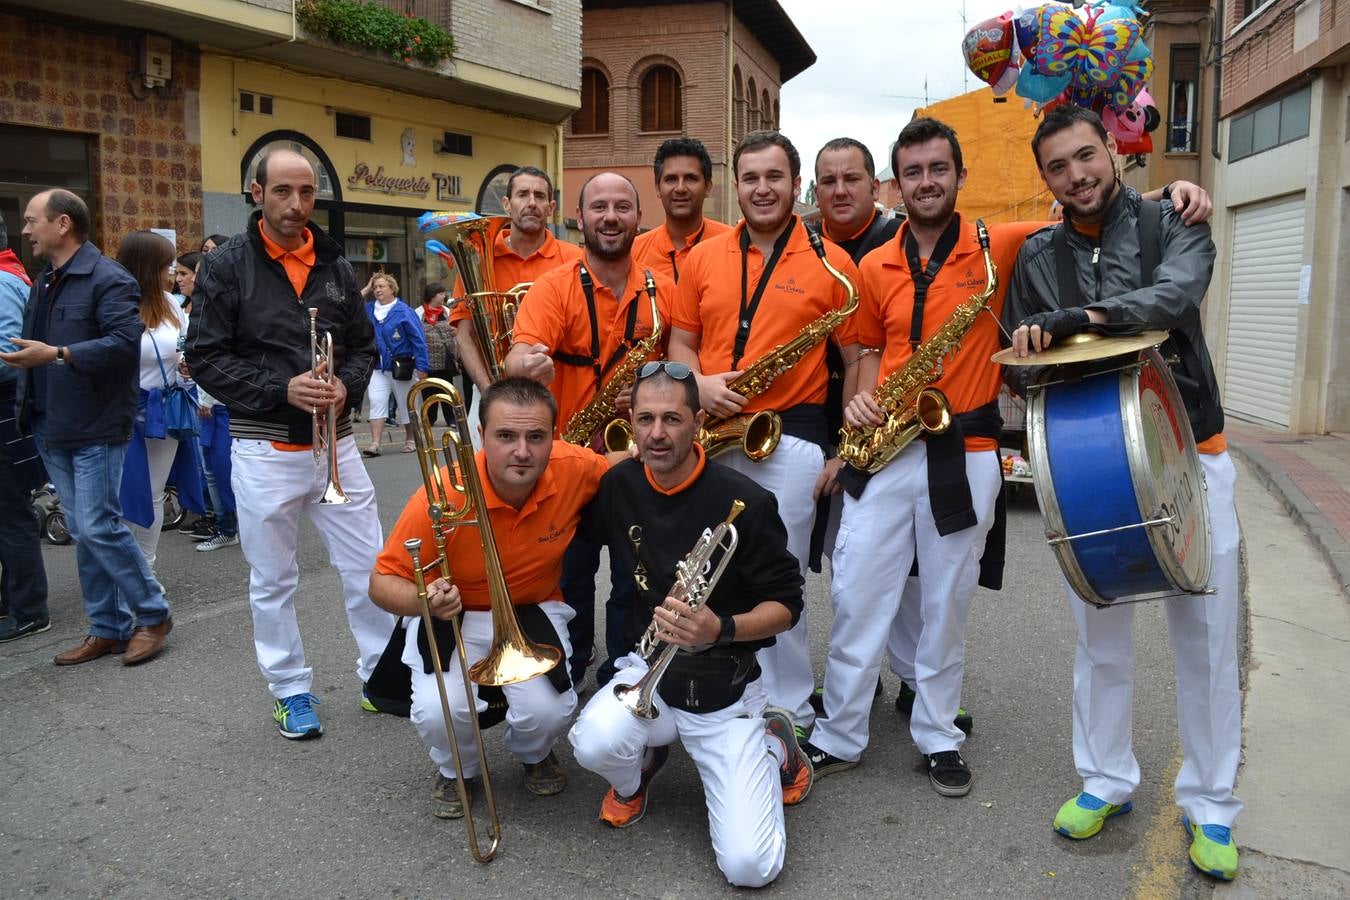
<point>296,718</point>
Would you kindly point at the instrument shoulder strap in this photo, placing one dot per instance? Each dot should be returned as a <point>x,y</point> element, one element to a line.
<point>923,276</point>
<point>750,304</point>
<point>593,361</point>
<point>1149,225</point>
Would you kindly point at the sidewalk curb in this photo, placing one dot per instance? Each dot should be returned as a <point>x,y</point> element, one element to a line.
<point>1303,511</point>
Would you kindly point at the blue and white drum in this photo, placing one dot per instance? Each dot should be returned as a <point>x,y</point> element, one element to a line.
<point>1119,482</point>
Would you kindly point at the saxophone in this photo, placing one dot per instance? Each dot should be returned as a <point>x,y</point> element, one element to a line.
<point>757,434</point>
<point>906,397</point>
<point>600,417</point>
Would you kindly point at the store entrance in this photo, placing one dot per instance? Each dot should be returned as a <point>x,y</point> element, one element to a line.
<point>379,242</point>
<point>36,160</point>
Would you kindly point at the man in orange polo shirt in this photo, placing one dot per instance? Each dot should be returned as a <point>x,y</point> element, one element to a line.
<point>535,488</point>
<point>575,324</point>
<point>520,254</point>
<point>741,295</point>
<point>683,181</point>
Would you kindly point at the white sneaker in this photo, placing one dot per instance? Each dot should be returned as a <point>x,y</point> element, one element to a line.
<point>220,540</point>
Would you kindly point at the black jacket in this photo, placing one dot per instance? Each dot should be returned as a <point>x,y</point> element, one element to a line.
<point>1109,279</point>
<point>93,309</point>
<point>249,333</point>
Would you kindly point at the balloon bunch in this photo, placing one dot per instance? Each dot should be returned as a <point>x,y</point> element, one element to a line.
<point>1094,57</point>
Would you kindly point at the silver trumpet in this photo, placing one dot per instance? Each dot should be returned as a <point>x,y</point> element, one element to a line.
<point>324,423</point>
<point>693,585</point>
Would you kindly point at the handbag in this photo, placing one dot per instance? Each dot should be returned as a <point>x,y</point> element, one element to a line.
<point>178,416</point>
<point>403,368</point>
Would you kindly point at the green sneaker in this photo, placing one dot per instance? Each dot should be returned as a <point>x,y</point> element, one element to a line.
<point>1213,850</point>
<point>1084,815</point>
<point>366,705</point>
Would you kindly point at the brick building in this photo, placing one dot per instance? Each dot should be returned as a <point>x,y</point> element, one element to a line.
<point>655,69</point>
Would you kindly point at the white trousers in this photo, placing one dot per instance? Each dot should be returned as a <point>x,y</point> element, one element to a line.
<point>740,774</point>
<point>159,453</point>
<point>878,538</point>
<point>537,715</point>
<point>271,489</point>
<point>790,475</point>
<point>903,639</point>
<point>1203,632</point>
<point>382,387</point>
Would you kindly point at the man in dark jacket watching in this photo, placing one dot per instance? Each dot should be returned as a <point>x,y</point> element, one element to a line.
<point>80,354</point>
<point>248,345</point>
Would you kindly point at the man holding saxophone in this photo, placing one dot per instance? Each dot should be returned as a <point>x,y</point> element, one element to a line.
<point>575,329</point>
<point>711,695</point>
<point>741,295</point>
<point>534,488</point>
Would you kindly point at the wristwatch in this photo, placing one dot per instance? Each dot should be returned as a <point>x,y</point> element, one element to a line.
<point>60,356</point>
<point>728,633</point>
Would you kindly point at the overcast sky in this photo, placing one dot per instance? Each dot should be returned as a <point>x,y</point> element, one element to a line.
<point>866,51</point>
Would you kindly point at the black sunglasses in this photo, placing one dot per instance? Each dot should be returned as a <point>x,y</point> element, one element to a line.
<point>676,370</point>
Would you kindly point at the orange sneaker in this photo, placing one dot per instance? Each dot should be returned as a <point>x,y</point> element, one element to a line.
<point>618,812</point>
<point>796,772</point>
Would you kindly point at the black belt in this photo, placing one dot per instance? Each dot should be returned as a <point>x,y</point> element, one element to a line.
<point>807,422</point>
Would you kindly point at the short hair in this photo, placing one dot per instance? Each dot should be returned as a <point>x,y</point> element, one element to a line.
<point>430,291</point>
<point>683,146</point>
<point>758,140</point>
<point>689,385</point>
<point>581,195</point>
<point>387,279</point>
<point>1062,117</point>
<point>60,203</point>
<point>518,391</point>
<point>848,143</point>
<point>216,239</point>
<point>190,259</point>
<point>921,130</point>
<point>534,171</point>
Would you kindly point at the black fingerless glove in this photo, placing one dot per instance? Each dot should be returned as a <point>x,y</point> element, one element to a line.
<point>1059,323</point>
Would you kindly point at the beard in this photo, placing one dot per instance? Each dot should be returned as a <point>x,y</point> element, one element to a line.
<point>1093,210</point>
<point>597,244</point>
<point>938,217</point>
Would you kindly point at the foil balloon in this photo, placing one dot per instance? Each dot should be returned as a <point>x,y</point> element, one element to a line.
<point>1131,128</point>
<point>989,50</point>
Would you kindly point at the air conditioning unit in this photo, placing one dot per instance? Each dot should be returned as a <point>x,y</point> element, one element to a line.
<point>156,60</point>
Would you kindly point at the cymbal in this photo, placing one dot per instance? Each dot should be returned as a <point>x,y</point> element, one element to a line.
<point>1082,347</point>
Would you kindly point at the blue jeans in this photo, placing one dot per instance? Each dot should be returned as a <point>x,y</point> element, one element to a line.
<point>227,523</point>
<point>120,591</point>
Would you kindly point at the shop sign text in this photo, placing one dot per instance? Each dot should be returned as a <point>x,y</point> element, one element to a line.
<point>377,182</point>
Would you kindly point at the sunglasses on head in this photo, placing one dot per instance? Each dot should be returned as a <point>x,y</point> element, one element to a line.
<point>676,370</point>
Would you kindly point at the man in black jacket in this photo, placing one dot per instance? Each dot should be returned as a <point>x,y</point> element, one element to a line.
<point>1124,265</point>
<point>248,345</point>
<point>77,395</point>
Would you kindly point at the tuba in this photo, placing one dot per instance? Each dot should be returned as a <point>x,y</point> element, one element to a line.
<point>467,245</point>
<point>513,658</point>
<point>693,584</point>
<point>758,433</point>
<point>907,398</point>
<point>324,426</point>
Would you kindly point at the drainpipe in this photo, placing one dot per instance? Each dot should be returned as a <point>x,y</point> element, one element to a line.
<point>1219,24</point>
<point>729,178</point>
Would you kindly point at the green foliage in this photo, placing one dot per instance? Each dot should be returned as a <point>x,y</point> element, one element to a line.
<point>405,37</point>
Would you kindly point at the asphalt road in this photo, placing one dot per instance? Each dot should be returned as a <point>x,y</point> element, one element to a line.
<point>171,780</point>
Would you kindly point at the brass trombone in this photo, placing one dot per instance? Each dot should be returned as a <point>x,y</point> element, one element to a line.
<point>324,425</point>
<point>513,658</point>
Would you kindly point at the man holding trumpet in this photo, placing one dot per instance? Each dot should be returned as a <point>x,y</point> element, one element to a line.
<point>534,489</point>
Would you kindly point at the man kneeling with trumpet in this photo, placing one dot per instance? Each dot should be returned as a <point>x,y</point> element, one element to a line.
<point>533,489</point>
<point>694,674</point>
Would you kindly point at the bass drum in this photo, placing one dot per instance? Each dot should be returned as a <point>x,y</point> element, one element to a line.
<point>1119,482</point>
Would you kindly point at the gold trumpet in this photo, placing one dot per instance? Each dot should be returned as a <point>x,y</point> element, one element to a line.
<point>513,658</point>
<point>324,425</point>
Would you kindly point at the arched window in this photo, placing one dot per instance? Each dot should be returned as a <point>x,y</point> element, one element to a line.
<point>593,117</point>
<point>737,105</point>
<point>752,113</point>
<point>767,110</point>
<point>661,100</point>
<point>777,115</point>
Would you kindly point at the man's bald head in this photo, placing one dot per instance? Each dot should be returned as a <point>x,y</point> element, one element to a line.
<point>280,157</point>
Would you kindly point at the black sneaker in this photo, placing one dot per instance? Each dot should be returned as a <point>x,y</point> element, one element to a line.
<point>203,529</point>
<point>817,698</point>
<point>904,705</point>
<point>11,629</point>
<point>823,763</point>
<point>949,773</point>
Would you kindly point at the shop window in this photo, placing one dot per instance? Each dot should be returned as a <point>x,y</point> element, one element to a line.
<point>593,117</point>
<point>455,144</point>
<point>1183,116</point>
<point>350,125</point>
<point>1277,122</point>
<point>661,100</point>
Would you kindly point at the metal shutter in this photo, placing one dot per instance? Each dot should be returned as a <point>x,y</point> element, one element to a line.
<point>1263,310</point>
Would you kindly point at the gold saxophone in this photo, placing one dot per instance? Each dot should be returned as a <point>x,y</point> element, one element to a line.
<point>602,413</point>
<point>906,397</point>
<point>757,434</point>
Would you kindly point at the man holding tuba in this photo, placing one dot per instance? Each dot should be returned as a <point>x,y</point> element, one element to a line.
<point>651,513</point>
<point>576,327</point>
<point>742,295</point>
<point>534,489</point>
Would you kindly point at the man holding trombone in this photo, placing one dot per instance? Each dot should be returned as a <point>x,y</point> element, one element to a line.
<point>533,489</point>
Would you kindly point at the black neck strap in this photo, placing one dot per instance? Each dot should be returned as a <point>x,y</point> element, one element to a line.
<point>588,287</point>
<point>923,277</point>
<point>697,237</point>
<point>750,305</point>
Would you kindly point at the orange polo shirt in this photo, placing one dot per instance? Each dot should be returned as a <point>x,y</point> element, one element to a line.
<point>656,251</point>
<point>530,540</point>
<point>297,263</point>
<point>800,291</point>
<point>969,379</point>
<point>554,314</point>
<point>509,268</point>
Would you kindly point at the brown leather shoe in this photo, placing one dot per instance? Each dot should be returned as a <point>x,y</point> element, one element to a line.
<point>92,648</point>
<point>146,642</point>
